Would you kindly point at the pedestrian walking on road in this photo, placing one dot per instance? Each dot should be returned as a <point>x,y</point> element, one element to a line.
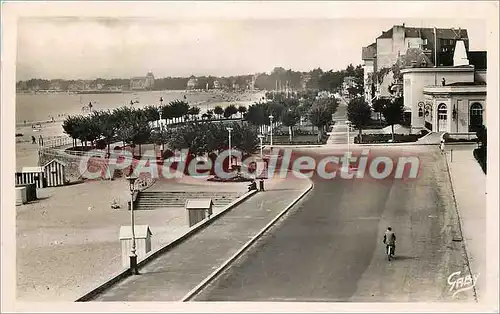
<point>33,139</point>
<point>441,146</point>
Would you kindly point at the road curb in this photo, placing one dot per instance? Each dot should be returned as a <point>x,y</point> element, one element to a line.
<point>225,265</point>
<point>124,273</point>
<point>460,224</point>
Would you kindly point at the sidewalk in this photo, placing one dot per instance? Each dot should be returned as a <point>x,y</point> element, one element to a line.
<point>469,187</point>
<point>172,275</point>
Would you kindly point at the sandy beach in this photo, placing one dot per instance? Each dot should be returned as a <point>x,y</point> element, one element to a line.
<point>64,248</point>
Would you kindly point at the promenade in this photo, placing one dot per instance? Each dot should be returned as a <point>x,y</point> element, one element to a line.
<point>469,187</point>
<point>173,274</point>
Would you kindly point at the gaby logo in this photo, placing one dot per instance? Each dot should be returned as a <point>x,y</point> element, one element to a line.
<point>461,283</point>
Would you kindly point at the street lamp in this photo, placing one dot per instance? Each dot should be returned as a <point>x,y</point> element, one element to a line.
<point>348,139</point>
<point>230,153</point>
<point>133,256</point>
<point>271,125</point>
<point>261,137</point>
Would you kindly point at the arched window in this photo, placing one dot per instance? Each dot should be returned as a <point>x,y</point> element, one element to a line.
<point>420,112</point>
<point>442,112</point>
<point>476,117</point>
<point>442,117</point>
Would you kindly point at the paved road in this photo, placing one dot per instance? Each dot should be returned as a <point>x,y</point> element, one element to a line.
<point>329,247</point>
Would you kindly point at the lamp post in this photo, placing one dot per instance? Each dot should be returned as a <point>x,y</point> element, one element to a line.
<point>261,137</point>
<point>348,138</point>
<point>133,256</point>
<point>271,128</point>
<point>230,153</point>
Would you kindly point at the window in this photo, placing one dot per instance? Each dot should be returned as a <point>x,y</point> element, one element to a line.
<point>442,112</point>
<point>420,112</point>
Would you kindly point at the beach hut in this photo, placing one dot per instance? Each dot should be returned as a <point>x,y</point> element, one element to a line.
<point>197,208</point>
<point>54,172</point>
<point>142,239</point>
<point>31,175</point>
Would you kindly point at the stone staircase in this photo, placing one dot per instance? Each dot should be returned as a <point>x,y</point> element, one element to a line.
<point>159,199</point>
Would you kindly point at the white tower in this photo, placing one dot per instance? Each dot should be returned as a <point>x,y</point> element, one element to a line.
<point>460,54</point>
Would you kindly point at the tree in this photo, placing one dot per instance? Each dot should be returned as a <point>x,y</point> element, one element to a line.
<point>359,114</point>
<point>71,127</point>
<point>152,113</point>
<point>378,106</point>
<point>244,138</point>
<point>289,118</point>
<point>320,115</point>
<point>393,112</point>
<point>242,110</point>
<point>193,111</point>
<point>256,115</point>
<point>107,125</point>
<point>230,110</point>
<point>218,111</point>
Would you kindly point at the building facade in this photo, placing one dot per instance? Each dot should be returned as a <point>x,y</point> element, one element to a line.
<point>436,44</point>
<point>448,98</point>
<point>143,82</point>
<point>192,83</point>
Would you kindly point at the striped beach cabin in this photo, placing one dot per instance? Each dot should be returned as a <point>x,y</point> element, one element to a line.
<point>54,172</point>
<point>31,175</point>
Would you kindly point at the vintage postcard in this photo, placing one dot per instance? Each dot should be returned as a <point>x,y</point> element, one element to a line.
<point>323,156</point>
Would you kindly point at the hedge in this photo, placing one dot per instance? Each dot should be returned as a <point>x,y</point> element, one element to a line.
<point>385,138</point>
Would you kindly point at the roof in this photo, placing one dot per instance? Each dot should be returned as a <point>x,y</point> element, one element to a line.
<point>32,169</point>
<point>441,33</point>
<point>466,84</point>
<point>478,59</point>
<point>416,55</point>
<point>141,232</point>
<point>200,203</point>
<point>369,52</point>
<point>56,161</point>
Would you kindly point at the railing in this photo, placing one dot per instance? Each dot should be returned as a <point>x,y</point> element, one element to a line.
<point>56,142</point>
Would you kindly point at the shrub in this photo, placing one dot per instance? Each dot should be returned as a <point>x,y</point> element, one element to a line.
<point>385,138</point>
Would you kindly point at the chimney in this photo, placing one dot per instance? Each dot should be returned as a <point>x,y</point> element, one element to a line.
<point>460,54</point>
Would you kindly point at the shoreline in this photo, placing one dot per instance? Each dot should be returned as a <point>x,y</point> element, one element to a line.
<point>213,98</point>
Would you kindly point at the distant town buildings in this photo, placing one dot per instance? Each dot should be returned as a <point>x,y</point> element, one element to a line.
<point>442,82</point>
<point>192,82</point>
<point>143,82</point>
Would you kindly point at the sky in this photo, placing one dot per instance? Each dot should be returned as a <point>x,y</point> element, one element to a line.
<point>87,48</point>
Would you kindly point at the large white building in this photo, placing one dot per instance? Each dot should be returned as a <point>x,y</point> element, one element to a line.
<point>443,83</point>
<point>448,99</point>
<point>143,82</point>
<point>435,45</point>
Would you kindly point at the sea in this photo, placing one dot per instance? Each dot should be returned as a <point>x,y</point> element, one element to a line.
<point>42,107</point>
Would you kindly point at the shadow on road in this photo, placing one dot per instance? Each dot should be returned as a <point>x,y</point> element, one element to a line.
<point>402,258</point>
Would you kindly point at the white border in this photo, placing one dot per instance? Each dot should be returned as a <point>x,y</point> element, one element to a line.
<point>225,10</point>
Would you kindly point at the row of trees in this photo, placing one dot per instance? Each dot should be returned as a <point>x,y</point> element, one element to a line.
<point>359,113</point>
<point>133,127</point>
<point>289,110</point>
